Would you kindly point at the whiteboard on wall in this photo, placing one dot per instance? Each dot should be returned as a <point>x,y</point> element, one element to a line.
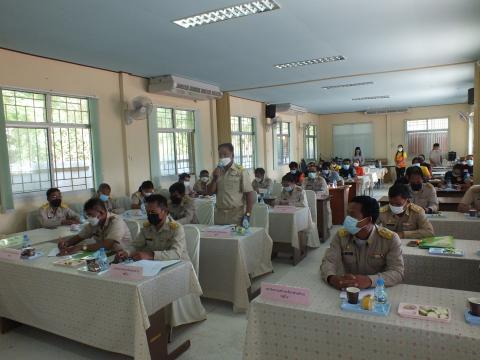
<point>347,137</point>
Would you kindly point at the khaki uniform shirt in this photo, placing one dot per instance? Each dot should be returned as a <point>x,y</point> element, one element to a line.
<point>296,198</point>
<point>426,197</point>
<point>200,187</point>
<point>413,223</point>
<point>137,198</point>
<point>472,197</point>
<point>263,186</point>
<point>317,184</point>
<point>111,206</point>
<point>183,213</point>
<point>52,217</point>
<point>380,256</point>
<point>167,243</point>
<point>231,187</point>
<point>114,229</point>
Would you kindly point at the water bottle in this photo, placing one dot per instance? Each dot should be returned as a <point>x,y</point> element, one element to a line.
<point>26,241</point>
<point>379,292</point>
<point>102,259</point>
<point>449,183</point>
<point>467,176</point>
<point>245,222</point>
<point>142,207</point>
<point>334,184</point>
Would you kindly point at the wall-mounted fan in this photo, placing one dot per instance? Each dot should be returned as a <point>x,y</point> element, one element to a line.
<point>138,109</point>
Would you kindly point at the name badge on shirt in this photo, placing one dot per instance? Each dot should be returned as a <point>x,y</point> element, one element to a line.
<point>377,256</point>
<point>148,239</point>
<point>350,253</point>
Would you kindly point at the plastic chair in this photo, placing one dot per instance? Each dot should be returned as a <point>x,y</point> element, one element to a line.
<point>122,202</point>
<point>192,238</point>
<point>276,189</point>
<point>205,212</point>
<point>77,207</point>
<point>260,216</point>
<point>312,204</point>
<point>134,228</point>
<point>32,220</point>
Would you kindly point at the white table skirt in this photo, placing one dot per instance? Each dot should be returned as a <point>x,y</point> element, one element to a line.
<point>456,224</point>
<point>96,310</point>
<point>38,236</point>
<point>228,262</point>
<point>323,331</point>
<point>284,227</point>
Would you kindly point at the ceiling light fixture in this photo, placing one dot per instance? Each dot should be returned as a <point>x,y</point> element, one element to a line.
<point>231,12</point>
<point>372,97</point>
<point>322,60</point>
<point>330,87</point>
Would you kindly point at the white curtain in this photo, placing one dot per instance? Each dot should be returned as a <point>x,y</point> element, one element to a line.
<point>347,137</point>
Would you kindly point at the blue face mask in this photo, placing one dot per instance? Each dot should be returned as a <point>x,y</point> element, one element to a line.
<point>346,167</point>
<point>470,162</point>
<point>103,197</point>
<point>350,224</point>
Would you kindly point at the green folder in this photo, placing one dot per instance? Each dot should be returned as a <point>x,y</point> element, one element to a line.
<point>437,242</point>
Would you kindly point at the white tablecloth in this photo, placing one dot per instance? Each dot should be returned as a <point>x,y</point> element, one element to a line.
<point>227,263</point>
<point>451,272</point>
<point>38,236</point>
<point>456,224</point>
<point>284,227</point>
<point>323,331</point>
<point>96,310</point>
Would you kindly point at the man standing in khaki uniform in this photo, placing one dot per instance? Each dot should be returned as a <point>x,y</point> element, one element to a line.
<point>362,252</point>
<point>292,194</point>
<point>54,213</point>
<point>401,216</point>
<point>108,230</point>
<point>314,181</point>
<point>234,190</point>
<point>180,206</point>
<point>423,195</point>
<point>471,200</point>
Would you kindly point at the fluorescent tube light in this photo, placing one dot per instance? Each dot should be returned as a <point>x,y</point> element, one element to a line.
<point>310,62</point>
<point>330,87</point>
<point>372,97</point>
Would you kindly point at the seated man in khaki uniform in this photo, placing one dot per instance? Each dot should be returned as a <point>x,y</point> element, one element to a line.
<point>181,206</point>
<point>200,187</point>
<point>108,230</point>
<point>292,194</point>
<point>315,181</point>
<point>54,213</point>
<point>423,195</point>
<point>361,251</point>
<point>144,191</point>
<point>231,184</point>
<point>103,193</point>
<point>471,200</point>
<point>262,184</point>
<point>401,216</point>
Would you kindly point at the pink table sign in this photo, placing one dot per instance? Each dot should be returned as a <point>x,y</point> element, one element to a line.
<point>284,209</point>
<point>286,294</point>
<point>126,272</point>
<point>217,234</point>
<point>10,254</point>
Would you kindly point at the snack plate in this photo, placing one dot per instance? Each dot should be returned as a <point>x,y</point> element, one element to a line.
<point>70,262</point>
<point>84,270</point>
<point>472,319</point>
<point>378,310</point>
<point>416,311</point>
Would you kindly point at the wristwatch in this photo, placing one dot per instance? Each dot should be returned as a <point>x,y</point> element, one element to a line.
<point>247,214</point>
<point>85,247</point>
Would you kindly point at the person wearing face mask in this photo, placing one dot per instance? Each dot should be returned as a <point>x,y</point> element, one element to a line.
<point>423,195</point>
<point>400,161</point>
<point>421,157</point>
<point>185,179</point>
<point>469,165</point>
<point>314,181</point>
<point>262,184</point>
<point>54,213</point>
<point>358,169</point>
<point>455,177</point>
<point>331,176</point>
<point>401,216</point>
<point>361,251</point>
<point>292,194</point>
<point>233,187</point>
<point>294,170</point>
<point>180,206</point>
<point>144,191</point>
<point>358,157</point>
<point>108,230</point>
<point>103,193</point>
<point>471,200</point>
<point>416,161</point>
<point>347,170</point>
<point>200,186</point>
<point>436,157</point>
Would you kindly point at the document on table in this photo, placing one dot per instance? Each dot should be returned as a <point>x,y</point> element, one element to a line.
<point>343,294</point>
<point>219,229</point>
<point>153,267</point>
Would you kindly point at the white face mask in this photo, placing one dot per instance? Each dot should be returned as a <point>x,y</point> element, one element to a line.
<point>400,149</point>
<point>326,172</point>
<point>224,161</point>
<point>396,209</point>
<point>288,188</point>
<point>93,221</point>
<point>204,179</point>
<point>147,194</point>
<point>417,165</point>
<point>186,183</point>
<point>257,179</point>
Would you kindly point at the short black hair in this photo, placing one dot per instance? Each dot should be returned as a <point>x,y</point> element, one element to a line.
<point>326,165</point>
<point>104,186</point>
<point>415,159</point>
<point>413,170</point>
<point>147,184</point>
<point>204,172</point>
<point>312,163</point>
<point>177,187</point>
<point>289,178</point>
<point>436,144</point>
<point>293,164</point>
<point>399,190</point>
<point>51,191</point>
<point>346,160</point>
<point>160,200</point>
<point>370,207</point>
<point>457,166</point>
<point>228,146</point>
<point>94,203</point>
<point>183,176</point>
<point>260,171</point>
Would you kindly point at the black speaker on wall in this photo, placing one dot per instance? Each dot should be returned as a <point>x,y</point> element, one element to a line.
<point>470,96</point>
<point>271,111</point>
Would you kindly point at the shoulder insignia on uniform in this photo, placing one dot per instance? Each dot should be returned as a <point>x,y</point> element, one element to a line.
<point>65,206</point>
<point>384,208</point>
<point>342,232</point>
<point>415,208</point>
<point>173,225</point>
<point>146,224</point>
<point>430,186</point>
<point>385,233</point>
<point>45,206</point>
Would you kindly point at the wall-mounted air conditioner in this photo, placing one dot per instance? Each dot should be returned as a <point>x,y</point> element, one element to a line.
<point>181,87</point>
<point>290,108</point>
<point>386,111</point>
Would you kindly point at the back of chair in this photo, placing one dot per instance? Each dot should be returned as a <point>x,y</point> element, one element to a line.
<point>192,237</point>
<point>205,212</point>
<point>165,193</point>
<point>312,203</point>
<point>277,189</point>
<point>32,220</point>
<point>259,216</point>
<point>122,202</point>
<point>77,207</point>
<point>134,228</point>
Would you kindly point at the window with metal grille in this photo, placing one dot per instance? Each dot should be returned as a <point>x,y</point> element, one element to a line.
<point>310,134</point>
<point>243,140</point>
<point>175,138</point>
<point>49,141</point>
<point>422,134</point>
<point>282,138</point>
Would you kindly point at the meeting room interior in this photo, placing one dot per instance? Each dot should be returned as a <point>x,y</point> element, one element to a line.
<point>235,179</point>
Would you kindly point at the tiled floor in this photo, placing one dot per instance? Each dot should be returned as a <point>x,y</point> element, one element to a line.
<point>220,337</point>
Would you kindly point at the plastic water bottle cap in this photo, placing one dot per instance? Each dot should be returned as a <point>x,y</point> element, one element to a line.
<point>380,282</point>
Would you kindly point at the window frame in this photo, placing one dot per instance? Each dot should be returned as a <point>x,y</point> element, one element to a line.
<point>406,132</point>
<point>305,143</point>
<point>242,133</point>
<point>7,197</point>
<point>277,143</point>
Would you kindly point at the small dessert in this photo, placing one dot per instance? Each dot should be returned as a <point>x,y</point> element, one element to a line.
<point>93,265</point>
<point>28,252</point>
<point>367,302</point>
